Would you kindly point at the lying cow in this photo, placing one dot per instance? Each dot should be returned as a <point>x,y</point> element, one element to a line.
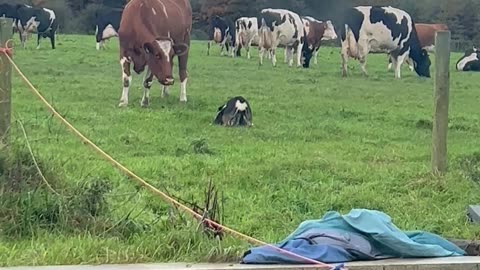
<point>470,61</point>
<point>426,36</point>
<point>315,32</point>
<point>246,34</point>
<point>222,32</point>
<point>151,33</point>
<point>107,23</point>
<point>281,27</point>
<point>373,29</point>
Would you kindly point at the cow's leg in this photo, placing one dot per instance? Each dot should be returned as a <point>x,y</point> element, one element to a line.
<point>222,47</point>
<point>147,84</point>
<point>299,54</point>
<point>363,65</point>
<point>22,39</point>
<point>362,56</point>
<point>390,62</point>
<point>285,55</point>
<point>261,52</point>
<point>315,56</point>
<point>209,45</point>
<point>182,68</point>
<point>344,55</point>
<point>399,61</point>
<point>52,39</point>
<point>247,48</point>
<point>410,63</point>
<point>274,56</point>
<point>39,36</point>
<point>227,47</point>
<point>165,92</point>
<point>127,80</point>
<point>289,56</point>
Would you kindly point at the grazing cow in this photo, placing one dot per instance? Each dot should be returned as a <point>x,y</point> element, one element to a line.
<point>35,20</point>
<point>151,33</point>
<point>236,112</point>
<point>315,32</point>
<point>246,34</point>
<point>222,31</point>
<point>107,23</point>
<point>374,29</point>
<point>42,21</point>
<point>281,27</point>
<point>470,61</point>
<point>426,36</point>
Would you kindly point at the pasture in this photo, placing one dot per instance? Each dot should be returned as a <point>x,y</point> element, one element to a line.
<point>319,142</point>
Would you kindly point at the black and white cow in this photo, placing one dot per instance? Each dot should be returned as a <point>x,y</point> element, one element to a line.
<point>246,30</point>
<point>36,20</point>
<point>281,27</point>
<point>375,29</point>
<point>107,23</point>
<point>10,11</point>
<point>470,61</point>
<point>222,31</point>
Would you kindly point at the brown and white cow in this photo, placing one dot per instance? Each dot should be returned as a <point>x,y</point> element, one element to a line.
<point>315,32</point>
<point>151,33</point>
<point>426,37</point>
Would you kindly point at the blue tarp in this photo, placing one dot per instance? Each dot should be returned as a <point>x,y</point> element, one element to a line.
<point>360,235</point>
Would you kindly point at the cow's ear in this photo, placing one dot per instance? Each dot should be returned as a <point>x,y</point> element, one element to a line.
<point>180,49</point>
<point>149,48</point>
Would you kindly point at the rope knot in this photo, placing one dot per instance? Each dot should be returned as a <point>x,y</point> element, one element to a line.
<point>7,51</point>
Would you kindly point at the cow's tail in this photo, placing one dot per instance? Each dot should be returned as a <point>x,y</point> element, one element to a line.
<point>265,37</point>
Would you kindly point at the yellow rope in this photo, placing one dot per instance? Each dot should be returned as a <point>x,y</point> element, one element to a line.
<point>149,187</point>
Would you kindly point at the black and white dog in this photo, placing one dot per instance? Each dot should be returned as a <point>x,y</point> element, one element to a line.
<point>236,112</point>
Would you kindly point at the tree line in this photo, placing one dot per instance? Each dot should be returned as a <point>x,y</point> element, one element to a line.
<point>77,16</point>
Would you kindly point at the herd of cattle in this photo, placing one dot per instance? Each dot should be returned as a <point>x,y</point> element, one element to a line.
<point>152,33</point>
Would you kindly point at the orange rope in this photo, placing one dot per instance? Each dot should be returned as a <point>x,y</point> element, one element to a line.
<point>146,185</point>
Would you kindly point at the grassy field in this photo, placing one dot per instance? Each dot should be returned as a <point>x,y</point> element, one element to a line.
<point>320,143</point>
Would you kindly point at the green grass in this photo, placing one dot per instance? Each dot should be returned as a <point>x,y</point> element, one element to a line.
<point>320,142</point>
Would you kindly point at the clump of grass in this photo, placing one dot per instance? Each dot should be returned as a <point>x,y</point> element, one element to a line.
<point>470,166</point>
<point>27,206</point>
<point>200,147</point>
<point>424,124</point>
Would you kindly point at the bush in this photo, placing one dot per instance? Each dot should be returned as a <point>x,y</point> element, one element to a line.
<point>27,205</point>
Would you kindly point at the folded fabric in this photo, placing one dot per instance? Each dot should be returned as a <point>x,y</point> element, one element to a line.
<point>361,235</point>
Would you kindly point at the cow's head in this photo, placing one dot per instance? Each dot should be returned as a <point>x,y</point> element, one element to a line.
<point>307,53</point>
<point>329,33</point>
<point>422,64</point>
<point>159,56</point>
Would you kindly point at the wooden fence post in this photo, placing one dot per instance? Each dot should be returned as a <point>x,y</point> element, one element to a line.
<point>441,102</point>
<point>6,34</point>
